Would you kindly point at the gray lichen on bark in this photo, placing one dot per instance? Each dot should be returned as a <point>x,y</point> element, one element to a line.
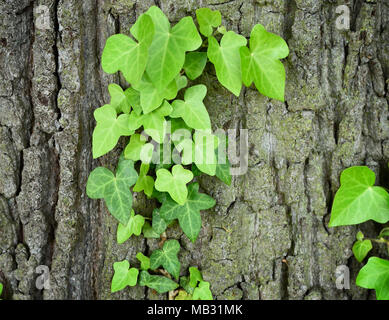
<point>267,237</point>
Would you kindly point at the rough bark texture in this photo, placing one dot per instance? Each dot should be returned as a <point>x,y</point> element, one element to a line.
<point>267,237</point>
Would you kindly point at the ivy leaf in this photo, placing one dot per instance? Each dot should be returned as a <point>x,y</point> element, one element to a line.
<point>208,20</point>
<point>158,283</point>
<point>145,183</point>
<point>155,123</point>
<point>134,226</point>
<point>123,276</point>
<point>152,97</point>
<point>167,51</point>
<point>183,295</point>
<point>360,236</point>
<point>375,275</point>
<point>194,64</point>
<point>226,59</point>
<point>195,276</point>
<point>124,54</point>
<point>184,283</point>
<point>148,231</point>
<point>159,224</point>
<point>167,258</point>
<point>202,292</point>
<point>102,184</point>
<point>1,289</point>
<point>223,168</point>
<point>119,99</point>
<point>357,200</point>
<point>133,98</point>
<point>144,261</point>
<point>261,62</point>
<point>193,110</point>
<point>174,183</point>
<point>108,130</point>
<point>204,152</point>
<point>134,147</point>
<point>384,233</point>
<point>361,249</point>
<point>188,215</point>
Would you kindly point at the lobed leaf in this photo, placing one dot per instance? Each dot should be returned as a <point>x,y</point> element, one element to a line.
<point>202,292</point>
<point>208,20</point>
<point>144,261</point>
<point>144,183</point>
<point>123,276</point>
<point>134,226</point>
<point>158,283</point>
<point>167,258</point>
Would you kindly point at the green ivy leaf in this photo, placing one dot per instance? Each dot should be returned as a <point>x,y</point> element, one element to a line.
<point>1,289</point>
<point>119,99</point>
<point>167,51</point>
<point>226,58</point>
<point>108,130</point>
<point>361,249</point>
<point>123,276</point>
<point>124,54</point>
<point>158,283</point>
<point>195,276</point>
<point>134,226</point>
<point>148,232</point>
<point>357,200</point>
<point>133,98</point>
<point>102,184</point>
<point>167,258</point>
<point>144,261</point>
<point>194,64</point>
<point>183,295</point>
<point>159,224</point>
<point>360,236</point>
<point>174,183</point>
<point>261,62</point>
<point>193,110</point>
<point>184,283</point>
<point>202,292</point>
<point>155,123</point>
<point>204,154</point>
<point>188,215</point>
<point>145,183</point>
<point>384,233</point>
<point>208,20</point>
<point>134,148</point>
<point>375,275</point>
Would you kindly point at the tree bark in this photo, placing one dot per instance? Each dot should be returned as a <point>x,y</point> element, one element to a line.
<point>268,236</point>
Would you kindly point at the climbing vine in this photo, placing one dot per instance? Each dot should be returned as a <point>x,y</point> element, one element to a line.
<point>159,61</point>
<point>357,201</point>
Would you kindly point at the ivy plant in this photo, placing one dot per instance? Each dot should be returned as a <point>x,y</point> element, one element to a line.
<point>170,143</point>
<point>359,200</point>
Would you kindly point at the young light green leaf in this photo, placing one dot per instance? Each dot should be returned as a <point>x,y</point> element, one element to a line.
<point>384,233</point>
<point>134,226</point>
<point>361,249</point>
<point>121,53</point>
<point>134,147</point>
<point>208,20</point>
<point>261,62</point>
<point>123,276</point>
<point>358,200</point>
<point>375,275</point>
<point>108,130</point>
<point>1,289</point>
<point>226,59</point>
<point>360,236</point>
<point>167,51</point>
<point>202,292</point>
<point>145,183</point>
<point>167,258</point>
<point>193,110</point>
<point>148,232</point>
<point>194,64</point>
<point>119,99</point>
<point>174,183</point>
<point>158,283</point>
<point>152,97</point>
<point>183,295</point>
<point>188,214</point>
<point>133,98</point>
<point>159,224</point>
<point>102,184</point>
<point>144,261</point>
<point>195,276</point>
<point>155,123</point>
<point>205,157</point>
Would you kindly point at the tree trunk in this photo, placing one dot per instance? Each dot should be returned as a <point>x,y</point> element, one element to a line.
<point>268,235</point>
